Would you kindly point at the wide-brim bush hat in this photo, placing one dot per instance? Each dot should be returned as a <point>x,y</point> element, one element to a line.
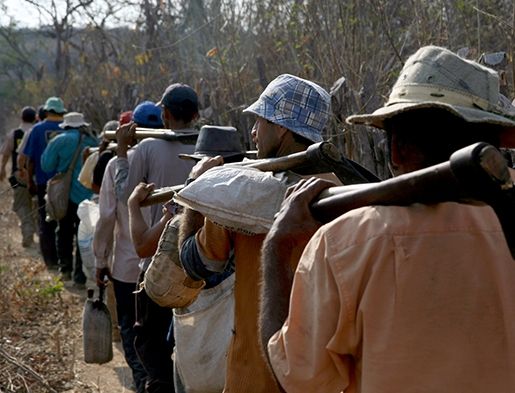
<point>54,104</point>
<point>435,77</point>
<point>217,141</point>
<point>73,120</point>
<point>299,105</point>
<point>148,114</point>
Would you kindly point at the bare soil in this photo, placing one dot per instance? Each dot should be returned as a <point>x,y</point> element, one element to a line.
<point>41,324</point>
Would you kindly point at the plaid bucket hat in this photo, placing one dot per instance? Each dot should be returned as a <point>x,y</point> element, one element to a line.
<point>435,77</point>
<point>299,105</point>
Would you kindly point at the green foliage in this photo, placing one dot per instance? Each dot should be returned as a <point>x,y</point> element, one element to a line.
<point>50,288</point>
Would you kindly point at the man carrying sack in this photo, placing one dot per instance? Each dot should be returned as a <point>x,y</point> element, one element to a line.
<point>399,298</point>
<point>291,114</point>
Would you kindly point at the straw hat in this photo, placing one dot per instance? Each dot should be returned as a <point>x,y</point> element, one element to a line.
<point>435,77</point>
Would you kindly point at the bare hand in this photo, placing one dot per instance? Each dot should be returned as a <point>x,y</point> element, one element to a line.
<point>205,164</point>
<point>140,193</point>
<point>294,224</point>
<point>125,136</point>
<point>100,276</point>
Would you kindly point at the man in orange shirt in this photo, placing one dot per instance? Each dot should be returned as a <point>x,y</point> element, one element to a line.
<point>399,299</point>
<point>291,114</point>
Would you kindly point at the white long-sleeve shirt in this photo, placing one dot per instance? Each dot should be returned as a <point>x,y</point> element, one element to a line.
<point>112,235</point>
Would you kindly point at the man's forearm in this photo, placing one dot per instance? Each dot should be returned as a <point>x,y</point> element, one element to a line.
<point>276,283</point>
<point>144,238</point>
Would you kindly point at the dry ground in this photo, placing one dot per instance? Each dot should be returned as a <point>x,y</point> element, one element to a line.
<point>41,325</point>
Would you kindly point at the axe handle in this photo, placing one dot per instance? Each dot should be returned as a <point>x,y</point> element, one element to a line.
<point>278,164</point>
<point>161,195</point>
<point>425,186</point>
<point>310,157</point>
<point>142,133</point>
<point>475,174</point>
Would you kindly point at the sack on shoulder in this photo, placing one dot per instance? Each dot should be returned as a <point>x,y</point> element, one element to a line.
<point>165,281</point>
<point>57,195</point>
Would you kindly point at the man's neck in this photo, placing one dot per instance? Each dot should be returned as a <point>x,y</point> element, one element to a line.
<point>54,117</point>
<point>289,146</point>
<point>179,125</point>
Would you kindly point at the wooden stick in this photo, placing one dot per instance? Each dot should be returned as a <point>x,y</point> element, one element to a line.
<point>27,369</point>
<point>169,135</point>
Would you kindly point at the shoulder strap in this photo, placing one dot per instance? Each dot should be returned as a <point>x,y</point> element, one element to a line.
<point>76,154</point>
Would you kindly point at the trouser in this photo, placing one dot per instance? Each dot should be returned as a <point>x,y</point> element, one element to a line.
<point>46,229</point>
<point>22,206</point>
<point>154,350</point>
<point>66,239</point>
<point>126,311</point>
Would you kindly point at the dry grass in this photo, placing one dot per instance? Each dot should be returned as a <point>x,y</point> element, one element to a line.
<point>40,324</point>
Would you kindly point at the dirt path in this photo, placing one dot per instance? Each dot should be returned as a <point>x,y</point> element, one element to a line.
<point>41,325</point>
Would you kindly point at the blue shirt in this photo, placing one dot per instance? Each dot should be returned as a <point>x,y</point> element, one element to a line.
<point>58,156</point>
<point>39,137</point>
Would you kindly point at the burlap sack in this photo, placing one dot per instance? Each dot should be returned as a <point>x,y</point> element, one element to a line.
<point>57,196</point>
<point>165,281</point>
<point>238,198</point>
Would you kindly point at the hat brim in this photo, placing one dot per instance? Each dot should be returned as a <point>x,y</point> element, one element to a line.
<point>377,118</point>
<point>64,125</point>
<point>258,108</point>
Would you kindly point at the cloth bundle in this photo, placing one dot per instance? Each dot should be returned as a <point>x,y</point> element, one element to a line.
<point>238,198</point>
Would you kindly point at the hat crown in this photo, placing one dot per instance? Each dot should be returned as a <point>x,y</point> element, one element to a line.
<point>54,104</point>
<point>218,140</point>
<point>148,114</point>
<point>437,74</point>
<point>179,94</point>
<point>435,77</point>
<point>74,120</point>
<point>297,104</point>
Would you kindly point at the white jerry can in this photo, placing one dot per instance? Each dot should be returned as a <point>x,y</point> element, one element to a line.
<point>96,330</point>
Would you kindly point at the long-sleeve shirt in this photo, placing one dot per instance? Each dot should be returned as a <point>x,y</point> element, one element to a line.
<point>112,230</point>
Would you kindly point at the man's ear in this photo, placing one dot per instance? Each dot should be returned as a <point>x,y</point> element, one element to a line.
<point>166,114</point>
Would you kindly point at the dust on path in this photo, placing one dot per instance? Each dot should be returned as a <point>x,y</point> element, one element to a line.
<point>45,335</point>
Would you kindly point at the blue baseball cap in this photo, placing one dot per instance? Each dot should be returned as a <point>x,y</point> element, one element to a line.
<point>148,114</point>
<point>301,106</point>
